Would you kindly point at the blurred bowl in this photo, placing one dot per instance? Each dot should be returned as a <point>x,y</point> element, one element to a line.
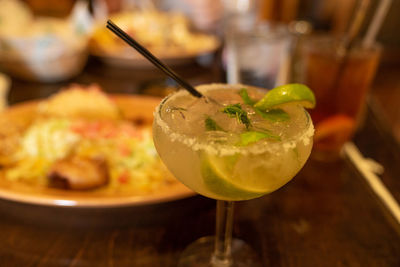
<point>47,52</point>
<point>47,69</point>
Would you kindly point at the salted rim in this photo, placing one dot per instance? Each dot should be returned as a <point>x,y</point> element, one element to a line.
<point>223,149</point>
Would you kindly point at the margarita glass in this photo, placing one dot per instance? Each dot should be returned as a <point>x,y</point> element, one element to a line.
<point>231,146</point>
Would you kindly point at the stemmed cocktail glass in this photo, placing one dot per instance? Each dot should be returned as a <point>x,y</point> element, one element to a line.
<point>228,146</point>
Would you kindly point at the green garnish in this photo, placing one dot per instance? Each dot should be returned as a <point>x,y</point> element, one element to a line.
<point>274,115</point>
<point>287,93</point>
<point>178,108</point>
<point>236,111</point>
<point>249,137</point>
<point>246,98</point>
<point>266,109</point>
<point>211,125</point>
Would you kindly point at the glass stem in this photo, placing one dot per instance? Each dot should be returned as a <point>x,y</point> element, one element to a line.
<point>223,236</point>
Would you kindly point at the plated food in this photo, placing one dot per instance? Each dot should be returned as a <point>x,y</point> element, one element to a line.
<point>165,34</point>
<point>83,146</point>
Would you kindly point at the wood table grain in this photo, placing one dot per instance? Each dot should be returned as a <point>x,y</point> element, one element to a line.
<point>326,216</point>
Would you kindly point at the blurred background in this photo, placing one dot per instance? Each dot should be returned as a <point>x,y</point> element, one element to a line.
<point>324,15</point>
<point>194,40</point>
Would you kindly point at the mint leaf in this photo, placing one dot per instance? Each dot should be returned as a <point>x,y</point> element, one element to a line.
<point>236,110</point>
<point>211,125</point>
<point>178,108</point>
<point>274,115</point>
<point>245,96</point>
<point>250,137</point>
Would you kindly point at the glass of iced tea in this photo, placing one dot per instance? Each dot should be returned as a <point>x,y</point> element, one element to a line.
<point>340,82</point>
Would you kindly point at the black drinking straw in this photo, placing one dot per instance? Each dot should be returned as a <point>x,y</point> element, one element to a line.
<point>156,62</point>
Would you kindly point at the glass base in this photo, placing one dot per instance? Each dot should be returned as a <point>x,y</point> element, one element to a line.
<point>199,254</point>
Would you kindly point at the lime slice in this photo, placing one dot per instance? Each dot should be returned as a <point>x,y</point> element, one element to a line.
<point>294,92</point>
<point>218,177</point>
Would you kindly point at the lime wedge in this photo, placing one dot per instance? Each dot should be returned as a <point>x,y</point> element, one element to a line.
<point>218,177</point>
<point>293,92</point>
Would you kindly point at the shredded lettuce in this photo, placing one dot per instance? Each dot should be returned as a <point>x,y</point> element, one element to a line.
<point>129,151</point>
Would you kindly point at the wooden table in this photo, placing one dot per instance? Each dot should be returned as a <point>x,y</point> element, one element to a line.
<point>326,216</point>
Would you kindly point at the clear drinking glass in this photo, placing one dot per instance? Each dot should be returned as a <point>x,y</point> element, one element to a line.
<point>212,164</point>
<point>257,53</point>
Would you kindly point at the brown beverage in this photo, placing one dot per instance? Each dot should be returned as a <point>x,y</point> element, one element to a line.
<point>340,84</point>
